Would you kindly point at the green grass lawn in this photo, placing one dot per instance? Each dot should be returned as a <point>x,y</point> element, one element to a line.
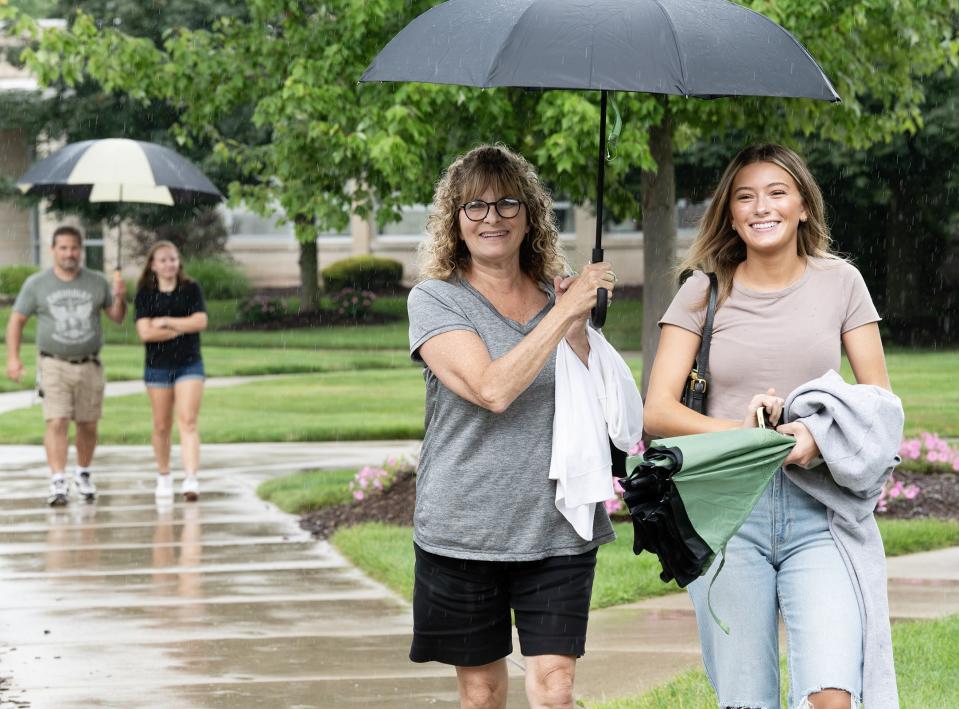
<point>307,491</point>
<point>125,362</point>
<point>621,576</point>
<point>925,654</point>
<point>356,405</point>
<point>304,410</point>
<point>223,312</point>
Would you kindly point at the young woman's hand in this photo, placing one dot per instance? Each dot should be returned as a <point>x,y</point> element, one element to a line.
<point>769,401</point>
<point>805,449</point>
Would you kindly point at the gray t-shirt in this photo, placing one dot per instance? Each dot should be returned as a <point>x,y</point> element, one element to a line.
<point>68,312</point>
<point>778,339</point>
<point>483,489</point>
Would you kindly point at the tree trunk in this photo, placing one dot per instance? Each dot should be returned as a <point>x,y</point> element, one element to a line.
<point>659,237</point>
<point>309,273</point>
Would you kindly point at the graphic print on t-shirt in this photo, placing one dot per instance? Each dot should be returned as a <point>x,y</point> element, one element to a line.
<point>72,311</point>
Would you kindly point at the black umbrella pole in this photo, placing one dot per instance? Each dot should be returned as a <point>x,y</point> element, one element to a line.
<point>598,315</point>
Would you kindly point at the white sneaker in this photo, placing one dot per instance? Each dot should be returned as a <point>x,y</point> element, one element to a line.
<point>164,488</point>
<point>190,489</point>
<point>85,487</point>
<point>59,492</point>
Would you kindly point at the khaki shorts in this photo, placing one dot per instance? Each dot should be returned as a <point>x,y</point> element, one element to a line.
<point>71,391</point>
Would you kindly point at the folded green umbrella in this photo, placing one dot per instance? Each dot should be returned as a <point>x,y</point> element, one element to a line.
<point>688,495</point>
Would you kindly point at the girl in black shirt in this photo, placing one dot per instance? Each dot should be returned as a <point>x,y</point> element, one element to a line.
<point>170,314</point>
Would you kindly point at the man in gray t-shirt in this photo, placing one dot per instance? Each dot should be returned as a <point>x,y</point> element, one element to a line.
<point>67,300</point>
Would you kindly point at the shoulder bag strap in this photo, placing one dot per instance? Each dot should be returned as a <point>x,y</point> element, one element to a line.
<point>702,361</point>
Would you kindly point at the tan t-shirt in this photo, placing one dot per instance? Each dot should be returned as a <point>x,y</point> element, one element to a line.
<point>780,339</point>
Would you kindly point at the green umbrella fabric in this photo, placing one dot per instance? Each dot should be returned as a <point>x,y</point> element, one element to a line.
<point>723,475</point>
<point>688,495</point>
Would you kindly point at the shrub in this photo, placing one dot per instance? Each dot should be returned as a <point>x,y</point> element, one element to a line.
<point>12,278</point>
<point>219,279</point>
<point>353,304</point>
<point>928,453</point>
<point>371,479</point>
<point>260,309</point>
<point>373,273</point>
<point>893,490</point>
<point>197,232</point>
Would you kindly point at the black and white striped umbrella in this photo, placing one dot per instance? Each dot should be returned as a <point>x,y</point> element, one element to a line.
<point>119,170</point>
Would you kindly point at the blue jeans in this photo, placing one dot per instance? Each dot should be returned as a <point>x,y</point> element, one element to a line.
<point>166,377</point>
<point>782,562</point>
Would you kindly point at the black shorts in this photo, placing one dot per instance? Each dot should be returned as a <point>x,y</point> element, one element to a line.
<point>461,607</point>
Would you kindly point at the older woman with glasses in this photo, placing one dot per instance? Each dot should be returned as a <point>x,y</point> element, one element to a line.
<point>486,321</point>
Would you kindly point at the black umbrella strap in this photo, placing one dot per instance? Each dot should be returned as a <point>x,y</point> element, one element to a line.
<point>613,138</point>
<point>709,593</point>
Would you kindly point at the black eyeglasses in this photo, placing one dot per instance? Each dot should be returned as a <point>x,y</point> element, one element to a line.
<point>477,209</point>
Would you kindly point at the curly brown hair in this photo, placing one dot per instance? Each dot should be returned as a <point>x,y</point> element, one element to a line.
<point>719,249</point>
<point>443,253</point>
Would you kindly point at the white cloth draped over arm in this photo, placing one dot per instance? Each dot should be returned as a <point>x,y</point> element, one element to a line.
<point>593,406</point>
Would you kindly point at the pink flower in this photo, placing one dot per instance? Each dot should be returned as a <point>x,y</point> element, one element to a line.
<point>613,505</point>
<point>911,492</point>
<point>358,495</point>
<point>955,465</point>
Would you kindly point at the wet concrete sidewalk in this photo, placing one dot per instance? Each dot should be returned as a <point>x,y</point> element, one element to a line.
<point>227,603</point>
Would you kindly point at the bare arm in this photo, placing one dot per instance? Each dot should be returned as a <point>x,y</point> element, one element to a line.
<point>462,362</point>
<point>196,322</point>
<point>864,348</point>
<point>576,336</point>
<point>118,309</point>
<point>148,331</point>
<point>664,415</point>
<point>14,335</point>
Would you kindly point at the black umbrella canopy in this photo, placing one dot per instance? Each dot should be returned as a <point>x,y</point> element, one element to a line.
<point>701,48</point>
<point>119,170</point>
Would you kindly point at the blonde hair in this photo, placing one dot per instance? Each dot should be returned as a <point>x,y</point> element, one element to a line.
<point>443,253</point>
<point>148,279</point>
<point>718,248</point>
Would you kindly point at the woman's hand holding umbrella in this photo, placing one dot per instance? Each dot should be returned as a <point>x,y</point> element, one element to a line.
<point>580,292</point>
<point>768,401</point>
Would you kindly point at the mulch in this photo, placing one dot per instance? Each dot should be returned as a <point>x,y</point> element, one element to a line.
<point>392,506</point>
<point>938,497</point>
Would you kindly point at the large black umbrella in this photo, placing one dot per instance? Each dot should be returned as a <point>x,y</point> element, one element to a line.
<point>119,170</point>
<point>702,48</point>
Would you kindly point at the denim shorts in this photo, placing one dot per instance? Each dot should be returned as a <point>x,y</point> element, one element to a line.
<point>784,563</point>
<point>166,377</point>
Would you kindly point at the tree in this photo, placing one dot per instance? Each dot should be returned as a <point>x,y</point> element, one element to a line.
<point>297,64</point>
<point>84,110</point>
<point>896,209</point>
<point>878,55</point>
